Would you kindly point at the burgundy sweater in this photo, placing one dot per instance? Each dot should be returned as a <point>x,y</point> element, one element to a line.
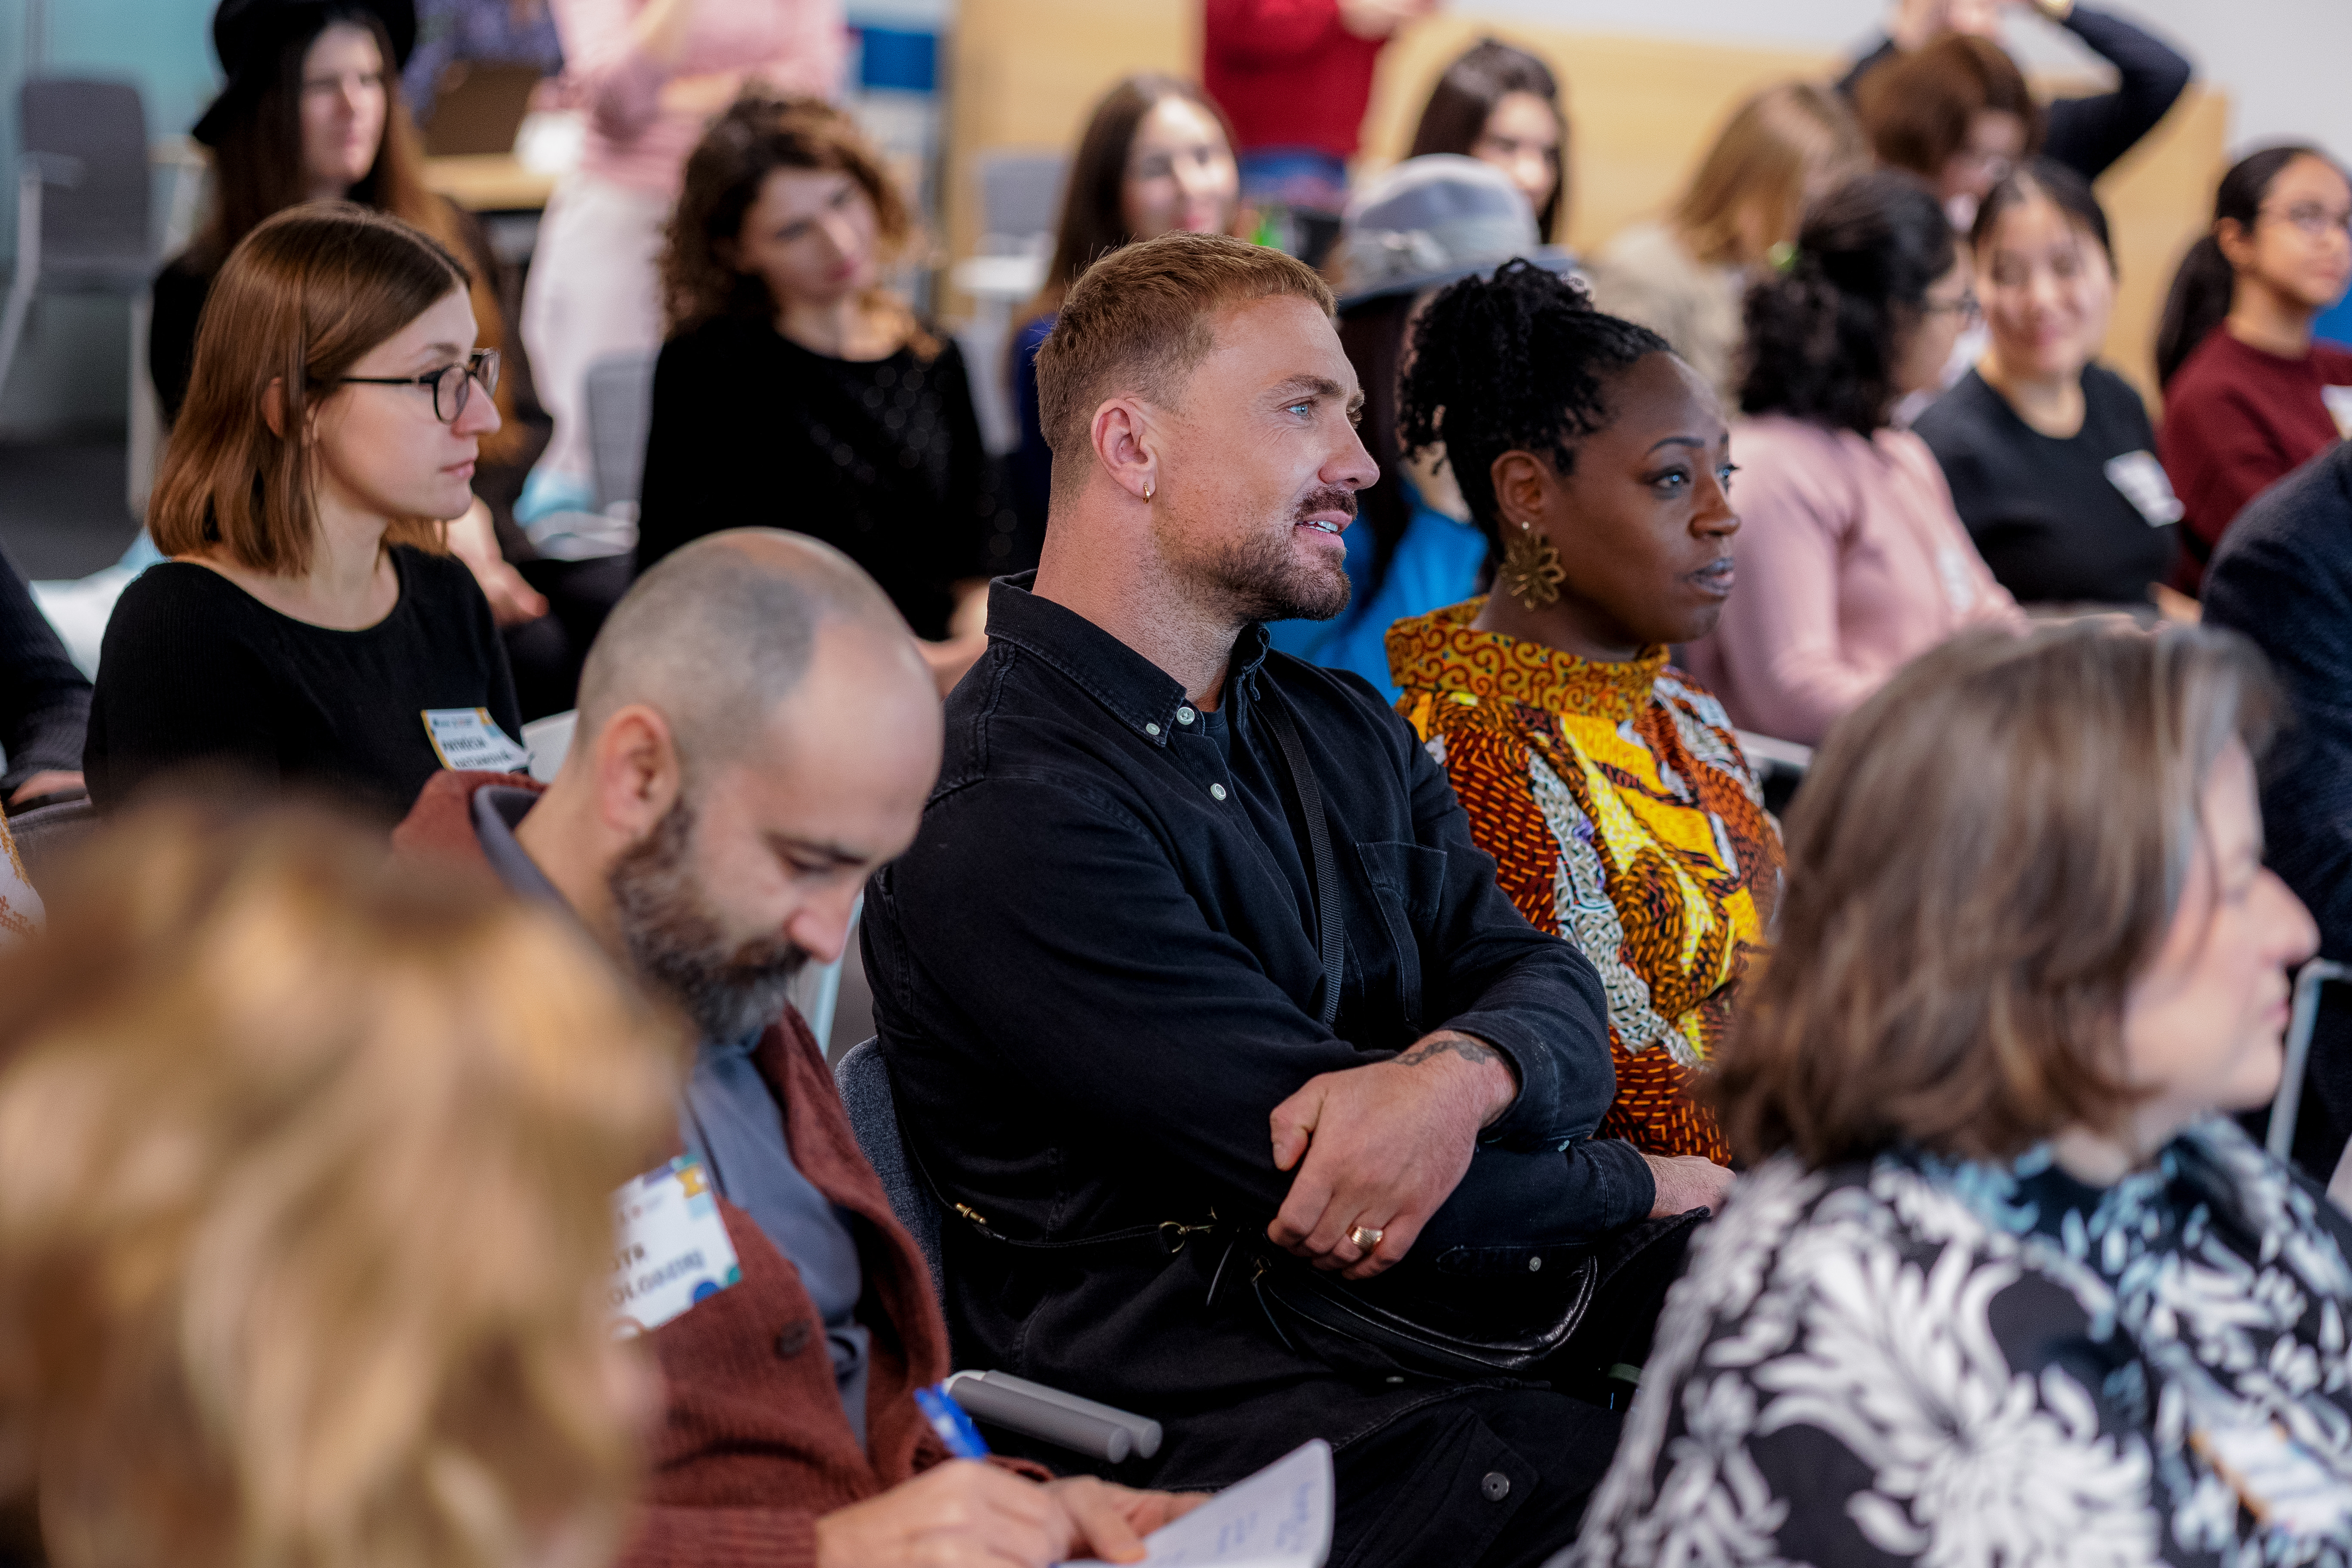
<point>1287,74</point>
<point>754,1445</point>
<point>2236,421</point>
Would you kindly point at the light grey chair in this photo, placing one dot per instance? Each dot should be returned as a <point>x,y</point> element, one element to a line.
<point>1021,195</point>
<point>620,416</point>
<point>82,198</point>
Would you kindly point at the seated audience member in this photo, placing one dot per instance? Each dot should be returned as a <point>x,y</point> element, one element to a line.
<point>2006,1282</point>
<point>2087,134</point>
<point>1413,228</point>
<point>2249,397</point>
<point>313,112</point>
<point>757,734</point>
<point>1683,276</point>
<point>1500,105</point>
<point>1158,1051</point>
<point>2283,578</point>
<point>1156,156</point>
<point>44,701</point>
<point>1610,790</point>
<point>307,627</point>
<point>1851,557</point>
<point>2049,453</point>
<point>1294,77</point>
<point>305,1231</point>
<point>796,389</point>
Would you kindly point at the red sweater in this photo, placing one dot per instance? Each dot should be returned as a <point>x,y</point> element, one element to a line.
<point>1287,74</point>
<point>754,1445</point>
<point>2236,421</point>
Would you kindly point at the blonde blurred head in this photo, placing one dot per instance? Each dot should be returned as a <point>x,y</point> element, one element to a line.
<point>304,1227</point>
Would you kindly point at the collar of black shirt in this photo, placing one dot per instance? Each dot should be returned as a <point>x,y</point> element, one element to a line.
<point>1136,691</point>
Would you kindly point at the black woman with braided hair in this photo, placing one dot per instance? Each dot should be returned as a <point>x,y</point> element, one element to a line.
<point>1608,787</point>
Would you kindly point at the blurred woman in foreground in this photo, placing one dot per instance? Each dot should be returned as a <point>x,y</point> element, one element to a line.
<point>305,1216</point>
<point>2006,1282</point>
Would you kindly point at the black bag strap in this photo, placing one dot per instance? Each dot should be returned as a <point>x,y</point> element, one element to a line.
<point>1330,930</point>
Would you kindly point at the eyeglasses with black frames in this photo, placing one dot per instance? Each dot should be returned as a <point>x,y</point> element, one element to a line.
<point>452,385</point>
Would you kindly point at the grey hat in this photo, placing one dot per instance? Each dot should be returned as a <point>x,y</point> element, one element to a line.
<point>1433,220</point>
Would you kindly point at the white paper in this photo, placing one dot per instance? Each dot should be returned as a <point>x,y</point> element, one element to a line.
<point>1279,1518</point>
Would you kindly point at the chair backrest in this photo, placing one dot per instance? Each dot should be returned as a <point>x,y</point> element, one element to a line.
<point>864,1081</point>
<point>620,414</point>
<point>90,139</point>
<point>47,833</point>
<point>1020,193</point>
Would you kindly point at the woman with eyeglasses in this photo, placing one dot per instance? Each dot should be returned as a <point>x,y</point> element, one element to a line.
<point>2249,397</point>
<point>1851,558</point>
<point>308,629</point>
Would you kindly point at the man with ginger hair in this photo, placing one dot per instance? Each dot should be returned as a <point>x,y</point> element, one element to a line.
<point>1100,973</point>
<point>757,734</point>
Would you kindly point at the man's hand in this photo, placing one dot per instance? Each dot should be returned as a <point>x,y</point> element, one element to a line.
<point>51,782</point>
<point>474,542</point>
<point>1687,1182</point>
<point>1385,1145</point>
<point>1381,19</point>
<point>965,1513</point>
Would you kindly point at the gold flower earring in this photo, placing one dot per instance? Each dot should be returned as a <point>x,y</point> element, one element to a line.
<point>1531,572</point>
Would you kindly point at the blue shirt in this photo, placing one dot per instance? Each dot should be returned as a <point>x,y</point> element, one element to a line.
<point>1436,564</point>
<point>728,1118</point>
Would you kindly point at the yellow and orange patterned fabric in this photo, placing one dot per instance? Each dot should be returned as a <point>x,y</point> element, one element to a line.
<point>1622,816</point>
<point>20,907</point>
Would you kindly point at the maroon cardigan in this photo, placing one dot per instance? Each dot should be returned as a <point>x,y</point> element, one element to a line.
<point>754,1445</point>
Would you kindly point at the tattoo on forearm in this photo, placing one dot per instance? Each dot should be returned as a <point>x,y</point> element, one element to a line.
<point>1449,1044</point>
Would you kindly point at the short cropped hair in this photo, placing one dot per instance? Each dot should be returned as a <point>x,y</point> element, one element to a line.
<point>1982,859</point>
<point>1138,321</point>
<point>305,1228</point>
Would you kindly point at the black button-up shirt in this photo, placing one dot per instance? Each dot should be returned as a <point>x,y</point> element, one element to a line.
<point>1096,974</point>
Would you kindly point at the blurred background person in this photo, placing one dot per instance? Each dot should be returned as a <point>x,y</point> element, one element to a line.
<point>798,392</point>
<point>44,702</point>
<point>455,32</point>
<point>1851,558</point>
<point>1412,546</point>
<point>308,626</point>
<point>358,1314</point>
<point>650,75</point>
<point>2249,394</point>
<point>1683,276</point>
<point>1500,105</point>
<point>2049,454</point>
<point>2001,1229</point>
<point>1610,790</point>
<point>1156,156</point>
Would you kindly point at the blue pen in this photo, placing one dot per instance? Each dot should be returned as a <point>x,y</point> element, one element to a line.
<point>948,1420</point>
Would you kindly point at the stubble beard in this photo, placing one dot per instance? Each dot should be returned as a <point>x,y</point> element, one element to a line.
<point>1260,576</point>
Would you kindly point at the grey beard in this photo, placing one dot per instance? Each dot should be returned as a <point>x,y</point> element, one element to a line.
<point>676,943</point>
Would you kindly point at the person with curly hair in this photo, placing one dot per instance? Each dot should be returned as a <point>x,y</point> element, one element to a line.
<point>1606,785</point>
<point>1852,559</point>
<point>796,391</point>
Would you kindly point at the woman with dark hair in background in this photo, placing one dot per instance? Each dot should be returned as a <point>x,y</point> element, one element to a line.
<point>1685,276</point>
<point>2248,395</point>
<point>1608,787</point>
<point>1501,105</point>
<point>1956,113</point>
<point>1157,156</point>
<point>797,392</point>
<point>2049,453</point>
<point>1852,559</point>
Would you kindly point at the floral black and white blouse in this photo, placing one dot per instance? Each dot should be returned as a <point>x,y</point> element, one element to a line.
<point>1919,1361</point>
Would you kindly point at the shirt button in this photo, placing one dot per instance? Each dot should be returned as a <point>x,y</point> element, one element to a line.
<point>1497,1486</point>
<point>1216,791</point>
<point>1152,728</point>
<point>1184,715</point>
<point>1535,1264</point>
<point>793,1340</point>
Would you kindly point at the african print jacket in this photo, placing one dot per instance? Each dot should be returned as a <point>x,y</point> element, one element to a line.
<point>1622,816</point>
<point>1973,1365</point>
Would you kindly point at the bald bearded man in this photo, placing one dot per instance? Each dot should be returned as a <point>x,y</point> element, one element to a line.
<point>757,734</point>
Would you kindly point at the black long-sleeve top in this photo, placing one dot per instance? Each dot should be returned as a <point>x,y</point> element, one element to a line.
<point>2088,134</point>
<point>880,459</point>
<point>1096,974</point>
<point>44,701</point>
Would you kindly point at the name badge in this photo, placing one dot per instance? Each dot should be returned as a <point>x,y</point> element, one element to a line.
<point>2340,407</point>
<point>468,738</point>
<point>671,1249</point>
<point>2145,484</point>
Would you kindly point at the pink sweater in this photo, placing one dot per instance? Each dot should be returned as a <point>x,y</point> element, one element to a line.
<point>1851,560</point>
<point>794,46</point>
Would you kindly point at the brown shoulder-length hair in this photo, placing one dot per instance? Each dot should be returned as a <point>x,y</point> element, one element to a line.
<point>298,303</point>
<point>1782,140</point>
<point>1465,99</point>
<point>1983,857</point>
<point>757,134</point>
<point>1916,107</point>
<point>257,174</point>
<point>1094,209</point>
